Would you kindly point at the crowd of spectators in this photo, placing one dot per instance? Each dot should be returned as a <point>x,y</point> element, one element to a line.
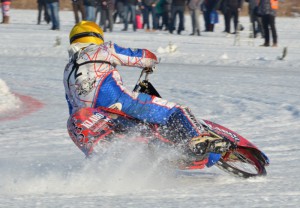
<point>168,15</point>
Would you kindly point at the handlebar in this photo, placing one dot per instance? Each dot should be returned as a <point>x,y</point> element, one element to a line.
<point>145,71</point>
<point>144,85</point>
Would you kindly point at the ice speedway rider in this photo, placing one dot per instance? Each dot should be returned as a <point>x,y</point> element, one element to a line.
<point>91,79</point>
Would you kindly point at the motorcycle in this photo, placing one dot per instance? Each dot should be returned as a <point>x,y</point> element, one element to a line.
<point>92,127</point>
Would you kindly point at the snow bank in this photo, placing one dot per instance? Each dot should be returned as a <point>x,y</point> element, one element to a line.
<point>8,100</point>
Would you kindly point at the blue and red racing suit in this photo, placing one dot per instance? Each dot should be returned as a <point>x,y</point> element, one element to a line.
<point>92,80</point>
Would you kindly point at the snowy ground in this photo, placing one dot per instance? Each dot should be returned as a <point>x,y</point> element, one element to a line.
<point>242,87</point>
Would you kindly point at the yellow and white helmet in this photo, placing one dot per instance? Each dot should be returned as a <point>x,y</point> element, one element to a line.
<point>86,32</point>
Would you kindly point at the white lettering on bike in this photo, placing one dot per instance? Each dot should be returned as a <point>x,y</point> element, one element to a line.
<point>232,135</point>
<point>94,119</point>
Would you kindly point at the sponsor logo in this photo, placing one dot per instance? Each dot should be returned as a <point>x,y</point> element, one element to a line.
<point>94,119</point>
<point>232,135</point>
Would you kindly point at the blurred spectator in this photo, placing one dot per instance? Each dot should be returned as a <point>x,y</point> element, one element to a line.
<point>177,7</point>
<point>194,7</point>
<point>205,15</point>
<point>98,10</point>
<point>90,10</point>
<point>159,13</point>
<point>255,20</point>
<point>220,7</point>
<point>53,10</point>
<point>5,6</point>
<point>78,7</point>
<point>167,14</point>
<point>149,6</point>
<point>119,11</point>
<point>210,14</point>
<point>42,6</point>
<point>231,9</point>
<point>129,11</point>
<point>107,9</point>
<point>267,10</point>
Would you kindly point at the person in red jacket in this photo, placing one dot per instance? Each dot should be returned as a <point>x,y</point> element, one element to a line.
<point>5,6</point>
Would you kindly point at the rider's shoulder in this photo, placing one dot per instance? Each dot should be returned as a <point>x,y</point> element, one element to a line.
<point>76,47</point>
<point>108,44</point>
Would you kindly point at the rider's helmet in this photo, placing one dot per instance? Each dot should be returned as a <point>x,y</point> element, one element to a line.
<point>86,32</point>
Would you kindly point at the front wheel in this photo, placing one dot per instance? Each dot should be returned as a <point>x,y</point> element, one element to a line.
<point>242,162</point>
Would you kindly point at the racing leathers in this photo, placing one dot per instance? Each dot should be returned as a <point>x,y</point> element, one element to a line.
<point>91,79</point>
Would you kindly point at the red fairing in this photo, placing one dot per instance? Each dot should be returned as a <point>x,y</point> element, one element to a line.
<point>234,137</point>
<point>87,127</point>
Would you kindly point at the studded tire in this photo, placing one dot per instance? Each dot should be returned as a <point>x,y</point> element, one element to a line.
<point>243,163</point>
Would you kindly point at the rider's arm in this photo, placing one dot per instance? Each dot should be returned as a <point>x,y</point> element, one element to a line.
<point>133,57</point>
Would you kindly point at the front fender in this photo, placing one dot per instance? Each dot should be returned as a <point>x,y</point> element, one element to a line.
<point>239,140</point>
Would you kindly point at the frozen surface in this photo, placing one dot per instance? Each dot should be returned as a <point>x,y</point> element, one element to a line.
<point>244,88</point>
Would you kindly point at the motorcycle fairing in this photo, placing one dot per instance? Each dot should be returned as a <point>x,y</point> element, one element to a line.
<point>234,137</point>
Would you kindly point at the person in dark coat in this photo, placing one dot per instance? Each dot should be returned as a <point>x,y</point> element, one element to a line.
<point>268,15</point>
<point>231,10</point>
<point>255,20</point>
<point>119,11</point>
<point>209,6</point>
<point>167,14</point>
<point>149,6</point>
<point>78,7</point>
<point>129,14</point>
<point>42,6</point>
<point>160,13</point>
<point>177,8</point>
<point>107,9</point>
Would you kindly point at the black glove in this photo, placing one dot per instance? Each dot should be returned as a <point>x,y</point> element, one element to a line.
<point>149,70</point>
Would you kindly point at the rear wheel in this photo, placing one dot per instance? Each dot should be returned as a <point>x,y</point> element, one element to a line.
<point>243,163</point>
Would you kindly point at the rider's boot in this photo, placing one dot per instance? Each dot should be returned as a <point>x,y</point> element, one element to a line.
<point>205,143</point>
<point>198,149</point>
